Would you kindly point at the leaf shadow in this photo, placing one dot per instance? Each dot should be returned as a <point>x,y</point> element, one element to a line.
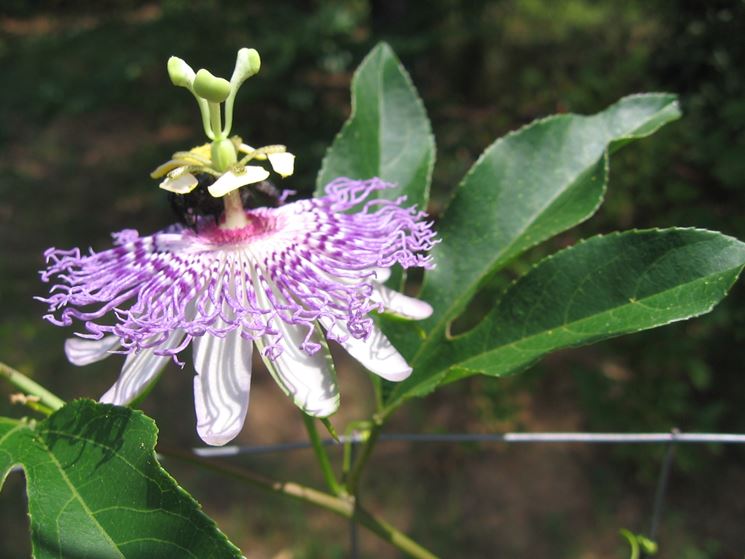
<point>89,428</point>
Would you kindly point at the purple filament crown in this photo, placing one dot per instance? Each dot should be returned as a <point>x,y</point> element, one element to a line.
<point>299,263</point>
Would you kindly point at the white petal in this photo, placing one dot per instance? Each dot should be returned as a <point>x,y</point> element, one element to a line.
<point>221,385</point>
<point>399,304</point>
<point>140,370</point>
<point>236,178</point>
<point>376,354</point>
<point>179,182</point>
<point>84,352</point>
<point>282,163</point>
<point>310,380</point>
<point>382,274</point>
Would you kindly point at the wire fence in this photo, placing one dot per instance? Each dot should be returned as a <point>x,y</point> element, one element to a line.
<point>591,438</point>
<point>671,440</point>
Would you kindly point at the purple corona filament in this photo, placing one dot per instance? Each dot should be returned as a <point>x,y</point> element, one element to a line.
<point>280,282</point>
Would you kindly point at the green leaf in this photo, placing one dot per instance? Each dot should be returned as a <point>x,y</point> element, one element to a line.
<point>388,134</point>
<point>95,488</point>
<point>603,287</point>
<point>526,187</point>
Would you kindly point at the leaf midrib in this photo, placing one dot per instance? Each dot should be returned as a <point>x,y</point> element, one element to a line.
<point>463,299</point>
<point>379,98</point>
<point>441,325</point>
<point>77,496</point>
<point>17,427</point>
<point>565,325</point>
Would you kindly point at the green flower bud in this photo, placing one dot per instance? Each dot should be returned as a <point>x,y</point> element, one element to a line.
<point>247,64</point>
<point>180,72</point>
<point>211,88</point>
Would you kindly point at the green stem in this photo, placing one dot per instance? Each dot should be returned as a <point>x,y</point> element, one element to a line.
<point>631,538</point>
<point>346,457</point>
<point>321,455</point>
<point>215,122</point>
<point>390,534</point>
<point>377,391</point>
<point>205,111</point>
<point>353,480</point>
<point>337,505</point>
<point>352,434</point>
<point>27,385</point>
<point>342,506</point>
<point>229,113</point>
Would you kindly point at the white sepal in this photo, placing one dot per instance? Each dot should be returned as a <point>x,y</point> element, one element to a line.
<point>221,385</point>
<point>81,352</point>
<point>376,353</point>
<point>382,274</point>
<point>140,370</point>
<point>399,304</point>
<point>310,380</point>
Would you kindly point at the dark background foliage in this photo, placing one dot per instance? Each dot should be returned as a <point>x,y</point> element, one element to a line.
<point>86,111</point>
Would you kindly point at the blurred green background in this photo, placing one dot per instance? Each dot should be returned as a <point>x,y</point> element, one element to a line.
<point>86,111</point>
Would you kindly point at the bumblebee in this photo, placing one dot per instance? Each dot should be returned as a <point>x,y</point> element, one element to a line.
<point>198,205</point>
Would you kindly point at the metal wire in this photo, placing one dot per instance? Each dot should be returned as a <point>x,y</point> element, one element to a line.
<point>671,439</point>
<point>585,438</point>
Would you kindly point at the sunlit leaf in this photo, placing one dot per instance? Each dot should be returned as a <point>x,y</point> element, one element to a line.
<point>388,134</point>
<point>95,488</point>
<point>603,287</point>
<point>529,186</point>
<point>525,188</point>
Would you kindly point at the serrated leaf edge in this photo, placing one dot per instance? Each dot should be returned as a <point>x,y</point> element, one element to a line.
<point>40,428</point>
<point>439,376</point>
<point>382,47</point>
<point>444,323</point>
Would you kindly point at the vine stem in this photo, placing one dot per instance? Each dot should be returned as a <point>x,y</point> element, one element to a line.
<point>322,456</point>
<point>345,507</point>
<point>29,386</point>
<point>353,479</point>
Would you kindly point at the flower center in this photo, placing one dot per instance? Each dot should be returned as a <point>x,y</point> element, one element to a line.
<point>257,225</point>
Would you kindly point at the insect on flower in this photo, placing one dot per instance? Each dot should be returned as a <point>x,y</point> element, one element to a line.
<point>282,279</point>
